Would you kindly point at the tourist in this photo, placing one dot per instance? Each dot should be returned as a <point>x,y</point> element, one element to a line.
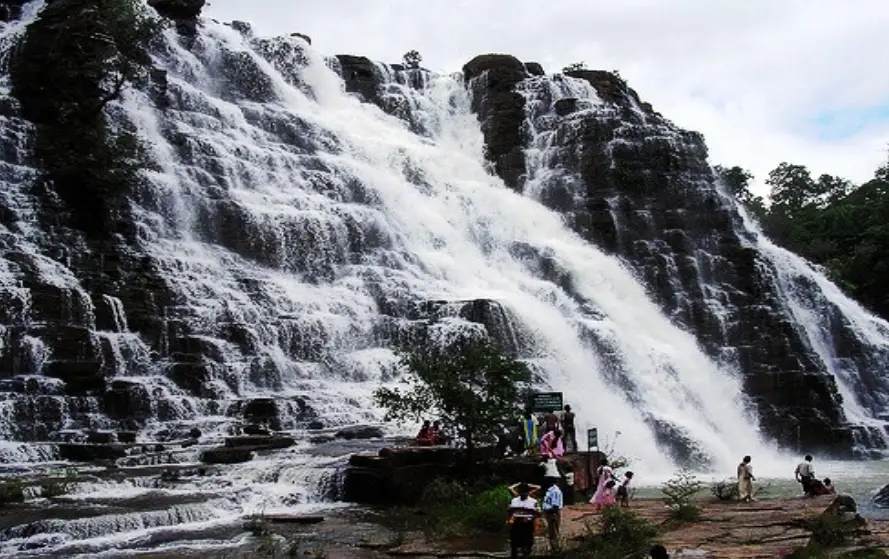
<point>623,490</point>
<point>569,429</point>
<point>551,444</point>
<point>805,474</point>
<point>818,487</point>
<point>425,436</point>
<point>658,552</point>
<point>438,435</point>
<point>529,427</point>
<point>552,510</point>
<point>745,480</point>
<point>522,514</point>
<point>551,473</point>
<point>569,483</point>
<point>604,475</point>
<point>550,422</point>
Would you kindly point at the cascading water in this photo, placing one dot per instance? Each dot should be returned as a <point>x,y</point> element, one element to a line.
<point>300,234</point>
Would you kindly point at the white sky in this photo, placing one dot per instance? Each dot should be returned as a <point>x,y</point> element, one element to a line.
<point>766,81</point>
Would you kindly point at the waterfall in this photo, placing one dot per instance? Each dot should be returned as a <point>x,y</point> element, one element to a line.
<point>289,235</point>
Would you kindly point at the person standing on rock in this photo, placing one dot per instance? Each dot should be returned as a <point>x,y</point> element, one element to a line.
<point>570,431</point>
<point>550,422</point>
<point>529,430</point>
<point>805,473</point>
<point>553,502</point>
<point>551,444</point>
<point>745,480</point>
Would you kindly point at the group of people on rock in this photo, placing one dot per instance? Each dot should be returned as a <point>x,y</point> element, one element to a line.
<point>431,434</point>
<point>550,434</point>
<point>610,489</point>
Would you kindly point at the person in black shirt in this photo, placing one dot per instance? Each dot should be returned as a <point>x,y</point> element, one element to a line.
<point>569,430</point>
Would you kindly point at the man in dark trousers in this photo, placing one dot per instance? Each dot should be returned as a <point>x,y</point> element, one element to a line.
<point>569,430</point>
<point>522,514</point>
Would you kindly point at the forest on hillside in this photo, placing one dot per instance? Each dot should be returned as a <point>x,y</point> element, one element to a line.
<point>830,221</point>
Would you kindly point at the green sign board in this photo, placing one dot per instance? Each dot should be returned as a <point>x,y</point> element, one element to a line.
<point>592,438</point>
<point>546,401</point>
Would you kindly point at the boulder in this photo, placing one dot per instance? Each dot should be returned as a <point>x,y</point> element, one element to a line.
<point>178,9</point>
<point>225,455</point>
<point>534,68</point>
<point>361,77</point>
<point>565,107</point>
<point>259,442</point>
<point>360,432</point>
<point>881,498</point>
<point>90,452</point>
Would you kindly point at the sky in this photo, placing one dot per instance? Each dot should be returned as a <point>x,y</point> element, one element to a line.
<point>765,81</point>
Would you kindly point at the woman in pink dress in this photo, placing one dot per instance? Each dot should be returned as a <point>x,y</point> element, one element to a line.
<point>551,445</point>
<point>605,475</point>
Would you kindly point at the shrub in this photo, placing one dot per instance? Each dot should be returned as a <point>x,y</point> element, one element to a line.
<point>456,511</point>
<point>622,535</point>
<point>678,492</point>
<point>725,490</point>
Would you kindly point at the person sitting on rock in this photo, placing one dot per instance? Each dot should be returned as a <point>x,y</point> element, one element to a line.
<point>425,437</point>
<point>551,444</point>
<point>818,487</point>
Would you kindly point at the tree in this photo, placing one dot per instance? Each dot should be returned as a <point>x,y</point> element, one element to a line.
<point>575,67</point>
<point>473,387</point>
<point>738,182</point>
<point>412,60</point>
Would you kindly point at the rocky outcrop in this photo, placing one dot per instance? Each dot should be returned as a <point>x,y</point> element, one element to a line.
<point>501,111</point>
<point>183,12</point>
<point>636,185</point>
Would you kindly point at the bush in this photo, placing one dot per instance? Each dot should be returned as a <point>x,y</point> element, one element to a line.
<point>456,511</point>
<point>622,535</point>
<point>678,492</point>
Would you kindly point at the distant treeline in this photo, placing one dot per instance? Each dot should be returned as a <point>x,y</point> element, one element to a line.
<point>828,220</point>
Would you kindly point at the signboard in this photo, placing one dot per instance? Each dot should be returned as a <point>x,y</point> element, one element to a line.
<point>546,401</point>
<point>592,438</point>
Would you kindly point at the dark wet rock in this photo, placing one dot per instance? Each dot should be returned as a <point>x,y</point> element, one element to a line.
<point>259,442</point>
<point>225,455</point>
<point>361,77</point>
<point>243,28</point>
<point>360,432</point>
<point>183,12</point>
<point>254,429</point>
<point>881,498</point>
<point>91,452</point>
<point>302,36</point>
<point>245,77</point>
<point>534,68</point>
<point>565,107</point>
<point>501,111</point>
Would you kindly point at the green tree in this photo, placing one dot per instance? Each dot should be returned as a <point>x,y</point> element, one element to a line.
<point>738,182</point>
<point>412,60</point>
<point>575,67</point>
<point>473,387</point>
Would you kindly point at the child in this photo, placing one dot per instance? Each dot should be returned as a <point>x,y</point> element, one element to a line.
<point>623,490</point>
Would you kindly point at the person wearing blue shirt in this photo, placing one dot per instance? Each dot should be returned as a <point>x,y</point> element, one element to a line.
<point>552,511</point>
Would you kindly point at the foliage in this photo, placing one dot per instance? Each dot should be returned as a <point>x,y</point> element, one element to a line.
<point>73,61</point>
<point>456,510</point>
<point>574,67</point>
<point>622,535</point>
<point>412,60</point>
<point>473,387</point>
<point>829,221</point>
<point>678,492</point>
<point>57,488</point>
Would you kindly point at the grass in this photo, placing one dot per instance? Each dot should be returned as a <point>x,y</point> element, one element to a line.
<point>455,510</point>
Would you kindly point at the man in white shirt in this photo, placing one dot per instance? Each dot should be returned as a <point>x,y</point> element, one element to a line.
<point>552,511</point>
<point>522,513</point>
<point>805,473</point>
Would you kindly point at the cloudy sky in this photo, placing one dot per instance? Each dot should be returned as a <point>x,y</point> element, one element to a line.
<point>805,81</point>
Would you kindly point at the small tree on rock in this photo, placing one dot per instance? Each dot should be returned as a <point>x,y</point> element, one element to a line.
<point>575,67</point>
<point>412,60</point>
<point>473,387</point>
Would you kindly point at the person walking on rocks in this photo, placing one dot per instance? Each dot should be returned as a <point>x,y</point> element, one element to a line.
<point>745,480</point>
<point>805,474</point>
<point>553,502</point>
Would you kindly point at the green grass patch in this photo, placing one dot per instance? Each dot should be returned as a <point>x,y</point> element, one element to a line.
<point>455,510</point>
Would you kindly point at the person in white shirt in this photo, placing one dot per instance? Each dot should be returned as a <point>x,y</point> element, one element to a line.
<point>522,513</point>
<point>552,511</point>
<point>805,473</point>
<point>551,471</point>
<point>745,480</point>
